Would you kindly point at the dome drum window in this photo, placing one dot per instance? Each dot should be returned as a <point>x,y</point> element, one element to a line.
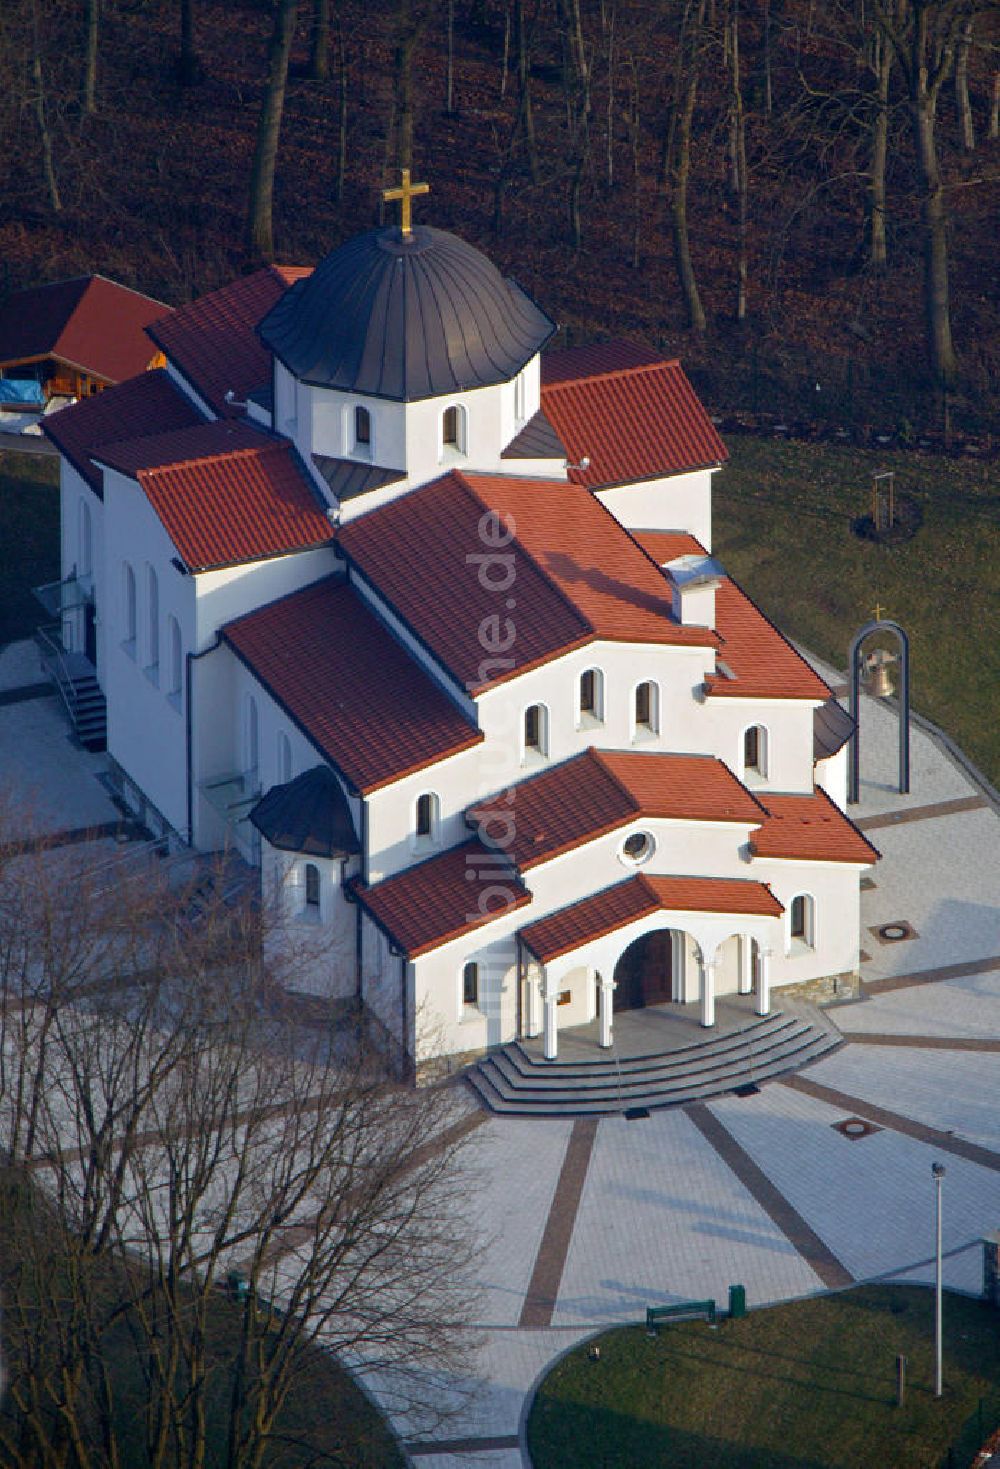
<point>453,430</point>
<point>362,431</point>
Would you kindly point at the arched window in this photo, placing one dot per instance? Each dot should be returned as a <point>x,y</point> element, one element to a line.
<point>86,560</point>
<point>646,710</point>
<point>129,608</point>
<point>453,429</point>
<point>153,621</point>
<point>536,730</point>
<point>591,696</point>
<point>426,823</point>
<point>312,887</point>
<point>284,761</point>
<point>251,741</point>
<point>362,428</point>
<point>470,984</point>
<point>802,920</point>
<point>755,750</point>
<point>520,397</point>
<point>175,667</point>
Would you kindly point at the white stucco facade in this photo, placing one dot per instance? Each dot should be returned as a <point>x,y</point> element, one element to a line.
<point>202,736</point>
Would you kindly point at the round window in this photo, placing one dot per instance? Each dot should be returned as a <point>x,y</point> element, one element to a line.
<point>638,847</point>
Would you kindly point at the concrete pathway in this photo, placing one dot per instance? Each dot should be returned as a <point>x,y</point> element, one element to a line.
<point>583,1224</point>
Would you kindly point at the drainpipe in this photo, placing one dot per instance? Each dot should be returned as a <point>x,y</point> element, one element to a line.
<point>189,730</point>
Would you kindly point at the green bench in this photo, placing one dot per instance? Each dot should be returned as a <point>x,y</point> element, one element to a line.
<point>656,1314</point>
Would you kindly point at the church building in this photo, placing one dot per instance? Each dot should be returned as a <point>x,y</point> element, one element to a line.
<point>422,617</point>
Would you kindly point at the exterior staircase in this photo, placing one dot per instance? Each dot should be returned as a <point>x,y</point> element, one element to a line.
<point>517,1081</point>
<point>75,679</point>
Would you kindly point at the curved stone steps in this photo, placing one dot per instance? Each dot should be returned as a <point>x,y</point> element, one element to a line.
<point>682,1077</point>
<point>725,1046</point>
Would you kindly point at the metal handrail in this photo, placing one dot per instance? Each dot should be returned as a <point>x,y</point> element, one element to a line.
<point>49,644</point>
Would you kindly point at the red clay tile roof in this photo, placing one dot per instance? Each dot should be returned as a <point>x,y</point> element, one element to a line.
<point>225,492</point>
<point>637,897</point>
<point>764,664</point>
<point>667,545</point>
<point>214,342</point>
<point>576,573</point>
<point>89,323</point>
<point>570,364</point>
<point>600,790</point>
<point>440,899</point>
<point>634,422</point>
<point>811,829</point>
<point>315,650</point>
<point>143,405</point>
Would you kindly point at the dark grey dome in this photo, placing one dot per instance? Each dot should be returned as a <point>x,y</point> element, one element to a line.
<point>405,317</point>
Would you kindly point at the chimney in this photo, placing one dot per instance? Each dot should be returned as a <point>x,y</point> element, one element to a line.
<point>693,581</point>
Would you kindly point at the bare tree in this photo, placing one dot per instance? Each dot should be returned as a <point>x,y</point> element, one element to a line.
<point>923,34</point>
<point>260,224</point>
<point>962,86</point>
<point>91,30</point>
<point>677,153</point>
<point>44,133</point>
<point>188,64</point>
<point>174,1139</point>
<point>738,158</point>
<point>319,46</point>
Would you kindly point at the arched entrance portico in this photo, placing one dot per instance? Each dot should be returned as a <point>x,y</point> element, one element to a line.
<point>649,970</point>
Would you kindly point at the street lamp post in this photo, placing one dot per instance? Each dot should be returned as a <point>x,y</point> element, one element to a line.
<point>938,1171</point>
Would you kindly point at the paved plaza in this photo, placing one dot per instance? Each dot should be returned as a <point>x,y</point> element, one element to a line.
<point>586,1222</point>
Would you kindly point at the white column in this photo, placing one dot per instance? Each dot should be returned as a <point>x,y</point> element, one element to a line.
<point>551,1044</point>
<point>605,1005</point>
<point>745,981</point>
<point>764,982</point>
<point>708,992</point>
<point>533,1019</point>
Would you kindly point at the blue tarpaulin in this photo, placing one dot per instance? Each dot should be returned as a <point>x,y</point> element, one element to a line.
<point>22,390</point>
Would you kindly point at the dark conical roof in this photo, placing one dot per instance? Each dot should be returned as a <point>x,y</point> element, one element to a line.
<point>405,317</point>
<point>309,814</point>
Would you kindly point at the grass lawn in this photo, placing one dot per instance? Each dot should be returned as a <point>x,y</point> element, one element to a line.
<point>29,538</point>
<point>810,1385</point>
<point>783,514</point>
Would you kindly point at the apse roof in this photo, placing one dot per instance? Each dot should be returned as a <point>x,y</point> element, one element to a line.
<point>405,317</point>
<point>309,814</point>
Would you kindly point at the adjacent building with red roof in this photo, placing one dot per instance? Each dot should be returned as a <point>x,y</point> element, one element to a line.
<point>423,619</point>
<point>77,337</point>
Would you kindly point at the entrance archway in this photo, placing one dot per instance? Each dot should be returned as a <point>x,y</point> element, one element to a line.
<point>645,972</point>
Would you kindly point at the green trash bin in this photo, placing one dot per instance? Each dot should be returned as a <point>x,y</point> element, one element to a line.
<point>737,1301</point>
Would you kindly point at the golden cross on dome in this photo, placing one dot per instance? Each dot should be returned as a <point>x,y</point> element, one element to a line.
<point>405,193</point>
<point>877,610</point>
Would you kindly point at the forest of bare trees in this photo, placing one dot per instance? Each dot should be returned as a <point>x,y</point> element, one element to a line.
<point>797,182</point>
<point>198,1190</point>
